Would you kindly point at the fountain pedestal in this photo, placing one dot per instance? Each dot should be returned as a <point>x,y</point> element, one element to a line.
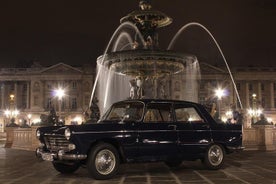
<point>264,137</point>
<point>10,136</point>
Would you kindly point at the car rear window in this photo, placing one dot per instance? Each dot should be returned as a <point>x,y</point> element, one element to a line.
<point>187,114</point>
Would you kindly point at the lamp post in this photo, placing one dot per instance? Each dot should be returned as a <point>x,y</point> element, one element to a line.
<point>12,112</point>
<point>11,115</point>
<point>29,118</point>
<point>254,112</point>
<point>219,93</point>
<point>59,93</point>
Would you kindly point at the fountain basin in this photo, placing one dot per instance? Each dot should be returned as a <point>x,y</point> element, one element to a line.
<point>146,63</point>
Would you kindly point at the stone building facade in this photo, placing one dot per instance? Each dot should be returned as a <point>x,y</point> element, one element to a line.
<point>33,91</point>
<point>256,87</point>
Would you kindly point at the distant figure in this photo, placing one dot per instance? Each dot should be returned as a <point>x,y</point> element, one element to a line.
<point>95,111</point>
<point>162,91</point>
<point>262,121</point>
<point>24,124</point>
<point>140,90</point>
<point>237,117</point>
<point>133,89</point>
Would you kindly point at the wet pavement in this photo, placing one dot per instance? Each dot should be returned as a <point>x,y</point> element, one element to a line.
<point>18,166</point>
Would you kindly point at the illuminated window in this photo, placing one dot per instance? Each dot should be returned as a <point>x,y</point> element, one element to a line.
<point>49,103</point>
<point>74,103</point>
<point>250,87</point>
<point>36,100</point>
<point>74,85</point>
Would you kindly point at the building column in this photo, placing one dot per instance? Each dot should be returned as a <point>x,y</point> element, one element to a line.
<point>31,102</point>
<point>259,92</point>
<point>247,96</point>
<point>3,95</point>
<point>43,92</point>
<point>233,97</point>
<point>15,94</point>
<point>28,95</point>
<point>271,92</point>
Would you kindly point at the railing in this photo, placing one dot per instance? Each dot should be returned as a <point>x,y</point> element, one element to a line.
<point>19,70</point>
<point>249,138</point>
<point>260,137</point>
<point>25,138</point>
<point>274,136</point>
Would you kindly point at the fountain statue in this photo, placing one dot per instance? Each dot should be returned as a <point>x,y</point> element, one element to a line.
<point>133,66</point>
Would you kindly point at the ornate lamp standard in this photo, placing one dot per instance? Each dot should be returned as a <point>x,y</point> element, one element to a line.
<point>29,116</point>
<point>59,93</point>
<point>254,112</point>
<point>219,93</point>
<point>12,112</point>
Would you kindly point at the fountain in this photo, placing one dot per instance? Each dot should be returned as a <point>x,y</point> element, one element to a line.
<point>133,66</point>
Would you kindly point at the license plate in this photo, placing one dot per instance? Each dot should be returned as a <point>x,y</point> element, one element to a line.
<point>47,157</point>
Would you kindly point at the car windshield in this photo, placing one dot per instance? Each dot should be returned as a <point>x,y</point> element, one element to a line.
<point>126,111</point>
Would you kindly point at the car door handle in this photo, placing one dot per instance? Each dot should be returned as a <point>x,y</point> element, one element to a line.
<point>173,127</point>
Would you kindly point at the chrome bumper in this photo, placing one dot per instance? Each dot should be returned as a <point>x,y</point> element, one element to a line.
<point>60,155</point>
<point>239,148</point>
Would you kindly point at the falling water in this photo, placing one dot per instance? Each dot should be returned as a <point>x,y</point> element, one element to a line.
<point>124,40</point>
<point>105,77</point>
<point>203,27</point>
<point>192,76</point>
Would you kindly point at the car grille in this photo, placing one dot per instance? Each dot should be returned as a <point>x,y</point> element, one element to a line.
<point>56,142</point>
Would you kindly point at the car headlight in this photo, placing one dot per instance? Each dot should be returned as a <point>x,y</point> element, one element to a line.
<point>38,134</point>
<point>67,133</point>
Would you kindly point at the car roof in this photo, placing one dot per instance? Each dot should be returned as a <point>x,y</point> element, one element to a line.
<point>159,101</point>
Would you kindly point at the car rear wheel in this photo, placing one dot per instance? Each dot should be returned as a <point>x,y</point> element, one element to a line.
<point>66,168</point>
<point>103,161</point>
<point>214,157</point>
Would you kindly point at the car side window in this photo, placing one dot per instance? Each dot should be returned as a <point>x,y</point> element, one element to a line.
<point>187,114</point>
<point>158,112</point>
<point>128,111</point>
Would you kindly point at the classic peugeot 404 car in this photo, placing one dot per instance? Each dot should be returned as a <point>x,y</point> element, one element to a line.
<point>140,131</point>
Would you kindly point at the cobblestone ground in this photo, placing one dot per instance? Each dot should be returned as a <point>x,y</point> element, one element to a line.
<point>18,166</point>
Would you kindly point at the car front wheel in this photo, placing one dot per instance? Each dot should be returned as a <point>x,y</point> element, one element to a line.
<point>214,157</point>
<point>103,161</point>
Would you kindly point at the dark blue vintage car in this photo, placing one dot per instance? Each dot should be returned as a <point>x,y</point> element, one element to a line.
<point>140,131</point>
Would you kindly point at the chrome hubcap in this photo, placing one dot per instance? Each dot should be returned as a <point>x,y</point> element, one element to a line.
<point>215,155</point>
<point>105,162</point>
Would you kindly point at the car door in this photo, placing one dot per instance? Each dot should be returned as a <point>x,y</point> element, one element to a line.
<point>157,133</point>
<point>193,131</point>
<point>121,123</point>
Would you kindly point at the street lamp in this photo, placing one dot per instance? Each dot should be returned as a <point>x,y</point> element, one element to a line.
<point>29,118</point>
<point>11,115</point>
<point>219,93</point>
<point>254,112</point>
<point>59,93</point>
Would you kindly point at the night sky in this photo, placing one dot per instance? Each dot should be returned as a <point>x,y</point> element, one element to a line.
<point>77,32</point>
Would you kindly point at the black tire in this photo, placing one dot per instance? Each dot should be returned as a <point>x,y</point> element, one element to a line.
<point>173,163</point>
<point>66,168</point>
<point>103,161</point>
<point>214,157</point>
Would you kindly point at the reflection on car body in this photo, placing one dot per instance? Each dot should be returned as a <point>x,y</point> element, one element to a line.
<point>140,131</point>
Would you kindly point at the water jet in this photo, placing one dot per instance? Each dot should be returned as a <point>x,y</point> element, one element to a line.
<point>134,66</point>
